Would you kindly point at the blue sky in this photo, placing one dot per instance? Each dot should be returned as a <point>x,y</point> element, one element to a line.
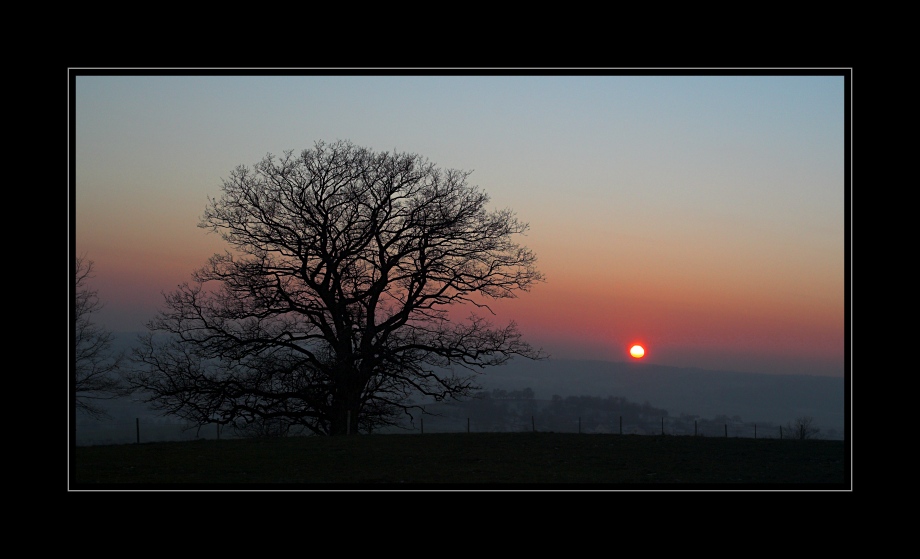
<point>704,214</point>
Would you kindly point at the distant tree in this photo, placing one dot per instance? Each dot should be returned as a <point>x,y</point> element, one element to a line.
<point>96,367</point>
<point>340,299</point>
<point>802,428</point>
<point>266,428</point>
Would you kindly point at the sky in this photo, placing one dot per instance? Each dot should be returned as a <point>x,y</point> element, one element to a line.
<point>703,216</point>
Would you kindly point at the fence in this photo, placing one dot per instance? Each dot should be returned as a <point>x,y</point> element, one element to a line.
<point>155,429</point>
<point>664,426</point>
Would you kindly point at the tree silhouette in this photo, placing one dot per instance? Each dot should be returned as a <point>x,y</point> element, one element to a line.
<point>803,428</point>
<point>340,299</point>
<point>96,368</point>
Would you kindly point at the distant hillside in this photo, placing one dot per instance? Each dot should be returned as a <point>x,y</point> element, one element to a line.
<point>752,396</point>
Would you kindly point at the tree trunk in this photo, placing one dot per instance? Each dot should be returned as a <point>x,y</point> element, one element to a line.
<point>346,408</point>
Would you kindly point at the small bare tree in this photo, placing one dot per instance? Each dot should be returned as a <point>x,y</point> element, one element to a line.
<point>803,428</point>
<point>266,428</point>
<point>96,368</point>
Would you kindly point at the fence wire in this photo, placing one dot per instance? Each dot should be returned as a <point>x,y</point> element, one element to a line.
<point>151,429</point>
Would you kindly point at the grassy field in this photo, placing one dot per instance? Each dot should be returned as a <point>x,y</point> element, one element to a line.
<point>486,461</point>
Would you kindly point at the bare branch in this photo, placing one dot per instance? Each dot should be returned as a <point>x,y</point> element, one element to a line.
<point>96,368</point>
<point>344,265</point>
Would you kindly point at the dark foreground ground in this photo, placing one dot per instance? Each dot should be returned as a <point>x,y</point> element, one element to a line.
<point>486,461</point>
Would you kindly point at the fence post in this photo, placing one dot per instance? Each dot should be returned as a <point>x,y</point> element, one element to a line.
<point>781,432</point>
<point>137,421</point>
<point>579,425</point>
<point>694,427</point>
<point>533,424</point>
<point>726,430</point>
<point>755,430</point>
<point>467,425</point>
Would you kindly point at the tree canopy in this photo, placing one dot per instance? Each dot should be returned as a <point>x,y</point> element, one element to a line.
<point>96,368</point>
<point>339,300</point>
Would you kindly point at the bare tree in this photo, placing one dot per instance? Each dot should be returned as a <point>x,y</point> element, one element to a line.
<point>267,428</point>
<point>96,367</point>
<point>803,428</point>
<point>340,301</point>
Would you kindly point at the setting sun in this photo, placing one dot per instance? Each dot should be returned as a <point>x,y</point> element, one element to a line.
<point>637,351</point>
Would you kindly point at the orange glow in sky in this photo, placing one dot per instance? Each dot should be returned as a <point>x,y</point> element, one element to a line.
<point>704,213</point>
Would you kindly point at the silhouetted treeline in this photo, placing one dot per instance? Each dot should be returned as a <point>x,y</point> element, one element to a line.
<point>501,410</point>
<point>488,411</point>
<point>509,411</point>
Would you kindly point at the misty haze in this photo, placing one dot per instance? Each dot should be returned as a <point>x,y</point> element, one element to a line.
<point>741,400</point>
<point>274,256</point>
